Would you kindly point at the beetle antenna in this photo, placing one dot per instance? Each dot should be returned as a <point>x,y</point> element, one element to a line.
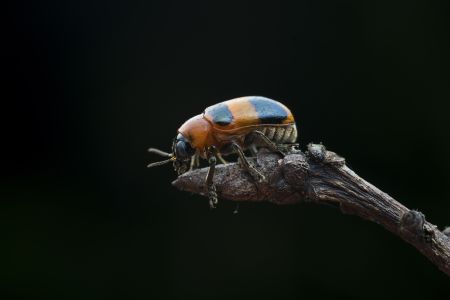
<point>159,163</point>
<point>159,152</point>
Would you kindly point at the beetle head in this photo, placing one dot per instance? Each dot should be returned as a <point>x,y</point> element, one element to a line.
<point>182,152</point>
<point>194,134</point>
<point>182,148</point>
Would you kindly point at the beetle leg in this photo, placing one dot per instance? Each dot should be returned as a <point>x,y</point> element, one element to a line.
<point>253,150</point>
<point>290,148</point>
<point>283,149</point>
<point>194,162</point>
<point>246,164</point>
<point>219,156</point>
<point>236,209</point>
<point>271,145</point>
<point>197,161</point>
<point>212,193</point>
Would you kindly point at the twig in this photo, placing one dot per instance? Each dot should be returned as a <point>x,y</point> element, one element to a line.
<point>321,176</point>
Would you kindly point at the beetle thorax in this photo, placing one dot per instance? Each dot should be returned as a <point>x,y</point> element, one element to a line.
<point>198,131</point>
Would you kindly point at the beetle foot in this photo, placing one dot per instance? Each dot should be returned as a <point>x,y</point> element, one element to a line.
<point>212,196</point>
<point>286,149</point>
<point>257,175</point>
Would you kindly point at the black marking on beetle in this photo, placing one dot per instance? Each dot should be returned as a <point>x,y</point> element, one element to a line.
<point>221,114</point>
<point>180,137</point>
<point>188,139</point>
<point>268,111</point>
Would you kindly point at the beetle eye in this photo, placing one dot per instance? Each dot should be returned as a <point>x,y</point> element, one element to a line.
<point>184,149</point>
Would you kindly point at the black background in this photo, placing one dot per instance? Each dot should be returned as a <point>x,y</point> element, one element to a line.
<point>94,84</point>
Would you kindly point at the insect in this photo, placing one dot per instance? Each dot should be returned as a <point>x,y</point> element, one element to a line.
<point>228,127</point>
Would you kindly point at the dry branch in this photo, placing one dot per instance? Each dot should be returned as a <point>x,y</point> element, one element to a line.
<point>321,176</point>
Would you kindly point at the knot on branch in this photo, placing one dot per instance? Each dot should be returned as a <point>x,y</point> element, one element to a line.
<point>318,153</point>
<point>296,172</point>
<point>414,221</point>
<point>446,231</point>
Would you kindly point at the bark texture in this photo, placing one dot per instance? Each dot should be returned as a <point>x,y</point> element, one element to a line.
<point>321,176</point>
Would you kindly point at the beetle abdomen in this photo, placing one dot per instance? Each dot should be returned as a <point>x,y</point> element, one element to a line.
<point>280,134</point>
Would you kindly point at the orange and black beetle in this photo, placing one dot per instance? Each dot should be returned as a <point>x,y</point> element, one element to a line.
<point>231,127</point>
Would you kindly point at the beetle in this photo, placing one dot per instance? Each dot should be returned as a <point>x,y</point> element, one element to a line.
<point>229,127</point>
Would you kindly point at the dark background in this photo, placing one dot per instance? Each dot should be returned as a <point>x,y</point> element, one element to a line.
<point>94,84</point>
